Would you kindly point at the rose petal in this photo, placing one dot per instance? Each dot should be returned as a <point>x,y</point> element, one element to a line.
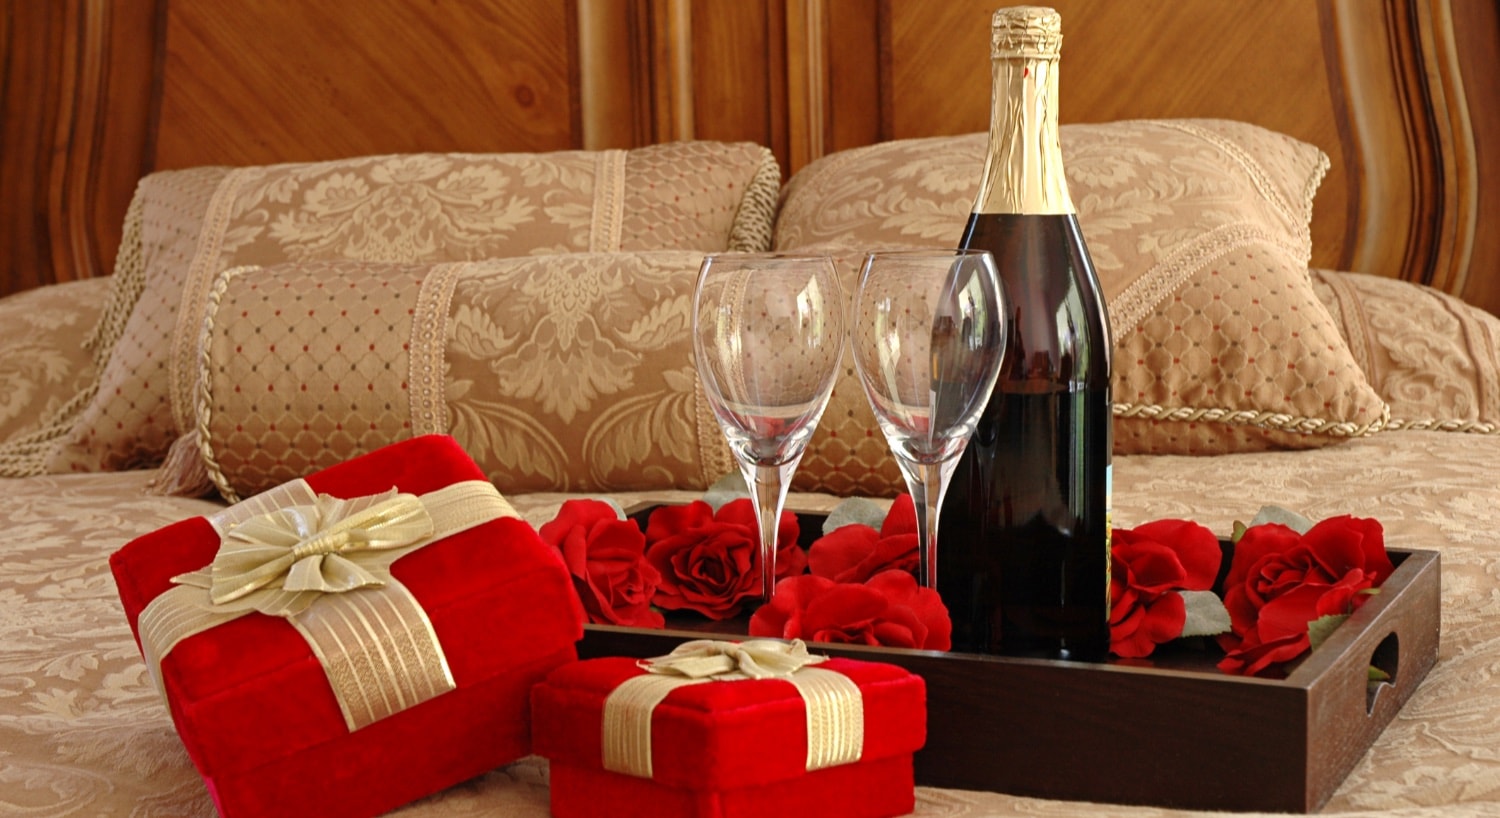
<point>1150,567</point>
<point>1197,549</point>
<point>667,521</point>
<point>901,519</point>
<point>1148,626</point>
<point>1256,544</point>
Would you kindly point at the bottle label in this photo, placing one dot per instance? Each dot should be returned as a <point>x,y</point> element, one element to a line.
<point>1109,532</point>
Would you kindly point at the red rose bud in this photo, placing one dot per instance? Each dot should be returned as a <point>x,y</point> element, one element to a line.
<point>1152,564</point>
<point>710,562</point>
<point>606,557</point>
<point>856,552</point>
<point>890,610</point>
<point>1280,581</point>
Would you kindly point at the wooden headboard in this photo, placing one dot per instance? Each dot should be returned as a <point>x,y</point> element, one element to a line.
<point>1403,95</point>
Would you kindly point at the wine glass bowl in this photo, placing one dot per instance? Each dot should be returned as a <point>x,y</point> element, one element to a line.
<point>928,336</point>
<point>768,336</point>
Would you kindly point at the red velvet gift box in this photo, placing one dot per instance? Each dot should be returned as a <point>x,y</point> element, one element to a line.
<point>718,749</point>
<point>255,698</point>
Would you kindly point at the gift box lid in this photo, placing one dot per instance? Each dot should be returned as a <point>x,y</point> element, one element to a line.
<point>498,599</point>
<point>721,735</point>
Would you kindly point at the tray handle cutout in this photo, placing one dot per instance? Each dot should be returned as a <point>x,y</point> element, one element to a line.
<point>1387,659</point>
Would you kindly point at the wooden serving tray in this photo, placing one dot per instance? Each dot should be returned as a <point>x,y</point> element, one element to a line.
<point>1171,731</point>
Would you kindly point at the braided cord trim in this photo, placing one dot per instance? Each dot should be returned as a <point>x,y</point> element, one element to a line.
<point>203,399</point>
<point>1472,427</point>
<point>1276,421</point>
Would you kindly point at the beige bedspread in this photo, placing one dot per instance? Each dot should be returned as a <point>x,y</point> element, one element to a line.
<point>82,732</point>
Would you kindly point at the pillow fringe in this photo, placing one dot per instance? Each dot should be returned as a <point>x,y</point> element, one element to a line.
<point>127,284</point>
<point>28,455</point>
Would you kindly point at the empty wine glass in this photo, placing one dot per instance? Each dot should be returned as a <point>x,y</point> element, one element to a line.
<point>928,337</point>
<point>768,335</point>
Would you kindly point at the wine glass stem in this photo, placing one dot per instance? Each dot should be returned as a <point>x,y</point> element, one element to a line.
<point>927,495</point>
<point>768,486</point>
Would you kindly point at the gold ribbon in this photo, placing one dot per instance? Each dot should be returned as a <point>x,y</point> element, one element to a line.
<point>323,564</point>
<point>835,706</point>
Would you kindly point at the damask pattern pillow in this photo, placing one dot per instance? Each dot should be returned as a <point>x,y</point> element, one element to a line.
<point>704,196</point>
<point>556,373</point>
<point>1199,232</point>
<point>1432,357</point>
<point>42,363</point>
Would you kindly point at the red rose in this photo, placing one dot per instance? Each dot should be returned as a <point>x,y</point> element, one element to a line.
<point>606,556</point>
<point>1280,581</point>
<point>710,562</point>
<point>1151,564</point>
<point>890,610</point>
<point>855,552</point>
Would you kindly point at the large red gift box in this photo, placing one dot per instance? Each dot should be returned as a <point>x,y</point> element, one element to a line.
<point>719,749</point>
<point>256,707</point>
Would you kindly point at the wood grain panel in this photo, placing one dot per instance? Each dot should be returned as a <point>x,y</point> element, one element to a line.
<point>32,61</point>
<point>1403,95</point>
<point>1475,27</point>
<point>662,70</point>
<point>858,38</point>
<point>614,73</point>
<point>289,80</point>
<point>735,73</point>
<point>75,96</point>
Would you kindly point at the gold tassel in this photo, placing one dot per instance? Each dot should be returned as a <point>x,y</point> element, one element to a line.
<point>182,473</point>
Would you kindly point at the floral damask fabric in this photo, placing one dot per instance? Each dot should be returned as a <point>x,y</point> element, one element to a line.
<point>575,372</point>
<point>414,208</point>
<point>82,732</point>
<point>43,362</point>
<point>1199,232</point>
<point>569,372</point>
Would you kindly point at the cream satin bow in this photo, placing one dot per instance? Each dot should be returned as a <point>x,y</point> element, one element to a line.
<point>751,659</point>
<point>279,562</point>
<point>835,705</point>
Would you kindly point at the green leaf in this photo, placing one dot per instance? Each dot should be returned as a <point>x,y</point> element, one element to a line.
<point>726,489</point>
<point>1319,629</point>
<point>1239,531</point>
<point>614,504</point>
<point>1206,614</point>
<point>855,510</point>
<point>1375,675</point>
<point>1277,514</point>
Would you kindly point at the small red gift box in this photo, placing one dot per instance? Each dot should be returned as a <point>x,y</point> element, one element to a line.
<point>834,740</point>
<point>347,643</point>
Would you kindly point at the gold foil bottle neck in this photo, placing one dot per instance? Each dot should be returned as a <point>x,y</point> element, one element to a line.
<point>1032,32</point>
<point>1023,170</point>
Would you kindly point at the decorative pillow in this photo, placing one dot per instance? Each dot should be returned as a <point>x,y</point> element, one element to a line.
<point>42,363</point>
<point>565,373</point>
<point>704,196</point>
<point>1432,357</point>
<point>1199,231</point>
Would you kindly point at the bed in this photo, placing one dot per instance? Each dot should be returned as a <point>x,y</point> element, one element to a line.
<point>1340,149</point>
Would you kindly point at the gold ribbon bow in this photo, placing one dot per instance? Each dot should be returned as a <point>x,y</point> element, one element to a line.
<point>835,706</point>
<point>281,561</point>
<point>323,563</point>
<point>727,661</point>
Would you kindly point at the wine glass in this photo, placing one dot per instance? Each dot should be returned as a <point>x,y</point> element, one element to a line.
<point>929,330</point>
<point>768,335</point>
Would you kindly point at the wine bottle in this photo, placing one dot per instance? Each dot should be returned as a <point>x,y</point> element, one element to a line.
<point>1024,562</point>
